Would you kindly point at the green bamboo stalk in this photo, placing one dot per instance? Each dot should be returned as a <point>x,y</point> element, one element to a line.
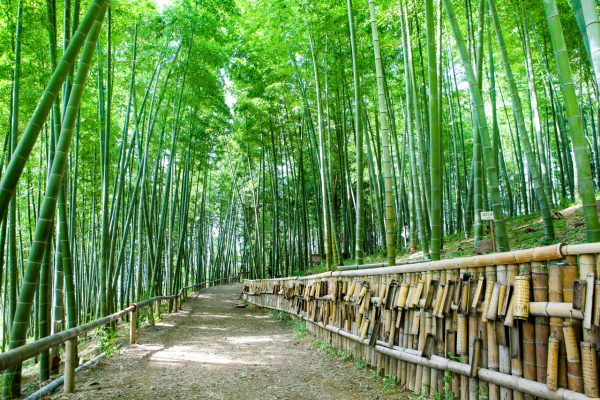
<point>11,384</point>
<point>518,113</point>
<point>536,112</point>
<point>414,174</point>
<point>435,149</point>
<point>323,164</point>
<point>14,133</point>
<point>383,120</point>
<point>483,130</point>
<point>584,173</point>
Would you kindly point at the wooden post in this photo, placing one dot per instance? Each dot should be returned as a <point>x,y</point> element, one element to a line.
<point>132,326</point>
<point>493,229</point>
<point>70,365</point>
<point>158,308</point>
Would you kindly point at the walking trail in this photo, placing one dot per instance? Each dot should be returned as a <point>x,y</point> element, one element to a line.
<point>212,350</point>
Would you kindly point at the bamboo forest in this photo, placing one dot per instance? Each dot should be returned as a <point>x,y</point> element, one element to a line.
<point>161,149</point>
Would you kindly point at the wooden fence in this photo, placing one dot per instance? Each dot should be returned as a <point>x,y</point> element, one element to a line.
<point>69,337</point>
<point>514,325</point>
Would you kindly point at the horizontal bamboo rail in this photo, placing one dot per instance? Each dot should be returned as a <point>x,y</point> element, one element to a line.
<point>501,314</point>
<point>545,253</point>
<point>17,356</point>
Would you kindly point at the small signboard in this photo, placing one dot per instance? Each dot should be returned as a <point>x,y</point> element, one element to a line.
<point>487,215</point>
<point>315,259</point>
<point>484,246</point>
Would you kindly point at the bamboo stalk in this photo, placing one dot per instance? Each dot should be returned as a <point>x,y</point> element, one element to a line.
<point>552,373</point>
<point>540,294</point>
<point>574,368</point>
<point>590,369</point>
<point>555,294</point>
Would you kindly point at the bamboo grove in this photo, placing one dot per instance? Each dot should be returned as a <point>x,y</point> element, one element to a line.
<point>151,146</point>
<point>378,128</point>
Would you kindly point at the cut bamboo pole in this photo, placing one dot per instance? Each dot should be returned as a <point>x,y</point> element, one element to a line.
<point>555,294</point>
<point>522,285</point>
<point>552,372</point>
<point>521,307</point>
<point>132,328</point>
<point>71,363</point>
<point>504,361</point>
<point>587,265</point>
<point>540,294</point>
<point>574,369</point>
<point>590,369</point>
<point>451,350</point>
<point>516,357</point>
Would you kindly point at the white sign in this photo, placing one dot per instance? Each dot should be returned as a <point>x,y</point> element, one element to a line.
<point>487,215</point>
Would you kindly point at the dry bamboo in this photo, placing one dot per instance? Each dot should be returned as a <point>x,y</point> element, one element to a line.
<point>515,358</point>
<point>590,369</point>
<point>574,369</point>
<point>478,292</point>
<point>555,294</point>
<point>552,372</point>
<point>542,324</point>
<point>403,295</point>
<point>475,358</point>
<point>589,301</point>
<point>521,308</point>
<point>487,299</point>
<point>492,311</point>
<point>522,285</point>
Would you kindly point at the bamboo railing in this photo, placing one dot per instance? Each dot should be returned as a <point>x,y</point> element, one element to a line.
<point>513,325</point>
<point>16,356</point>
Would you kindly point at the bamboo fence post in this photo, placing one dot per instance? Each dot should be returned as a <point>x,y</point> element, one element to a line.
<point>132,327</point>
<point>574,370</point>
<point>587,271</point>
<point>427,373</point>
<point>590,369</point>
<point>555,294</point>
<point>552,377</point>
<point>462,338</point>
<point>528,339</point>
<point>492,358</point>
<point>473,331</point>
<point>70,365</point>
<point>540,293</point>
<point>505,276</point>
<point>436,275</point>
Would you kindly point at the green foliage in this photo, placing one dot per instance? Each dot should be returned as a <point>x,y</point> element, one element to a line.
<point>448,393</point>
<point>297,324</point>
<point>482,392</point>
<point>105,339</point>
<point>389,382</point>
<point>361,365</point>
<point>376,374</point>
<point>455,358</point>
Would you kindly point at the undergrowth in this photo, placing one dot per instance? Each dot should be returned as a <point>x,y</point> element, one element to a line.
<point>105,339</point>
<point>524,232</point>
<point>297,324</point>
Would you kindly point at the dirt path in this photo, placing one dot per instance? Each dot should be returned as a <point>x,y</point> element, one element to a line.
<point>212,350</point>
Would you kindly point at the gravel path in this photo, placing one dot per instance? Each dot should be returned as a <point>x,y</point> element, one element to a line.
<point>212,350</point>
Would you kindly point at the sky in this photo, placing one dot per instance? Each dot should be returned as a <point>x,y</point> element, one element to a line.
<point>161,4</point>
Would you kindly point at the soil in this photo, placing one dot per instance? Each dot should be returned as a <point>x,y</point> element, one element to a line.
<point>211,350</point>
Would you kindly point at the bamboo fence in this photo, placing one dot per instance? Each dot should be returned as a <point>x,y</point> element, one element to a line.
<point>503,326</point>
